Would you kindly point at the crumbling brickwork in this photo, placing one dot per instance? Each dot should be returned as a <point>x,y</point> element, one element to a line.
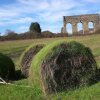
<point>84,19</point>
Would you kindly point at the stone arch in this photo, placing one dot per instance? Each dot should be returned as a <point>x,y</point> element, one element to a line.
<point>91,27</point>
<point>80,29</point>
<point>81,18</point>
<point>69,29</point>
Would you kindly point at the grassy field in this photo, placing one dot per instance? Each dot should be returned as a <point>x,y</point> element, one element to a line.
<point>22,90</point>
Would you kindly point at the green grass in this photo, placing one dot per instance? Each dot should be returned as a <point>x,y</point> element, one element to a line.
<point>14,49</point>
<point>86,93</point>
<point>12,92</point>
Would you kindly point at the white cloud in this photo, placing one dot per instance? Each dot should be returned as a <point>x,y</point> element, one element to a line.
<point>45,11</point>
<point>22,20</point>
<point>16,21</point>
<point>36,6</point>
<point>23,28</point>
<point>4,13</point>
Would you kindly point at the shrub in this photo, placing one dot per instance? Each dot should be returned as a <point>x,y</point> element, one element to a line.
<point>27,56</point>
<point>35,27</point>
<point>63,66</point>
<point>47,34</point>
<point>7,68</point>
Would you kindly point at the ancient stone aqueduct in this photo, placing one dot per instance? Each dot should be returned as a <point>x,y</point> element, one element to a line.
<point>84,19</point>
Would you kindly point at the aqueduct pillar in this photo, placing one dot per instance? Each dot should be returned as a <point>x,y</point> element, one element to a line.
<point>96,26</point>
<point>85,27</point>
<point>74,28</point>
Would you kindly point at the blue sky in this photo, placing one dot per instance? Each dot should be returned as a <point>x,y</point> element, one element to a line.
<point>17,15</point>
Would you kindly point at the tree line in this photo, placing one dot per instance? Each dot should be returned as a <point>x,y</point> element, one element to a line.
<point>34,32</point>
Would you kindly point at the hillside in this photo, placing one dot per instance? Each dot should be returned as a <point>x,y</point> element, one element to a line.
<point>21,90</point>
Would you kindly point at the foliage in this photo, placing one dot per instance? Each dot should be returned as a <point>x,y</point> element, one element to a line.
<point>35,27</point>
<point>9,35</point>
<point>7,68</point>
<point>47,34</point>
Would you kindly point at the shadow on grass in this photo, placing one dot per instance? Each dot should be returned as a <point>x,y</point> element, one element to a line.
<point>18,75</point>
<point>98,75</point>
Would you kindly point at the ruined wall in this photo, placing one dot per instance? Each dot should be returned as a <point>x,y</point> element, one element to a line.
<point>84,19</point>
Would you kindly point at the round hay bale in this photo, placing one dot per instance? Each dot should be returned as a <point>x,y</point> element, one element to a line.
<point>27,56</point>
<point>63,66</point>
<point>7,68</point>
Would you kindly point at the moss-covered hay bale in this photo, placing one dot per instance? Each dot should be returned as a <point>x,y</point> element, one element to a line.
<point>27,56</point>
<point>63,66</point>
<point>7,68</point>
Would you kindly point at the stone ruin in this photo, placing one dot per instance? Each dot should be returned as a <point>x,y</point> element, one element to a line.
<point>84,19</point>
